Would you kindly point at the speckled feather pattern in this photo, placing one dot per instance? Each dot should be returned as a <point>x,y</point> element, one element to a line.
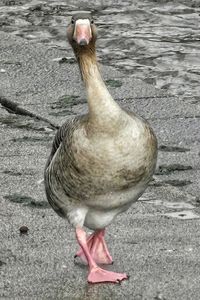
<point>84,171</point>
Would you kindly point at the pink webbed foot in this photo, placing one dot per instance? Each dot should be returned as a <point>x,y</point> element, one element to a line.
<point>98,275</point>
<point>98,249</point>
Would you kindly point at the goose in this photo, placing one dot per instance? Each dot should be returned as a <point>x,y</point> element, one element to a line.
<point>101,162</point>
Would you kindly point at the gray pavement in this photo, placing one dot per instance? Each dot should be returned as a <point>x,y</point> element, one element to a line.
<point>156,242</point>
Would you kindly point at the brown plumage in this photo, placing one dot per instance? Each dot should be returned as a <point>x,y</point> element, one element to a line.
<point>100,162</point>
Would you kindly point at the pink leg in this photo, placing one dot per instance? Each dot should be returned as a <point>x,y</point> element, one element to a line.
<point>96,274</point>
<point>98,249</point>
<point>80,252</point>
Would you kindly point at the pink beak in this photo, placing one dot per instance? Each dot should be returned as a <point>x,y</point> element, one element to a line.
<point>82,32</point>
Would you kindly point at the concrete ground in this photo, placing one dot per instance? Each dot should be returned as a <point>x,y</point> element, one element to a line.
<point>157,242</point>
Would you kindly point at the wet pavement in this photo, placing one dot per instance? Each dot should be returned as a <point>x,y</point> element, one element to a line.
<point>156,242</point>
<point>154,40</point>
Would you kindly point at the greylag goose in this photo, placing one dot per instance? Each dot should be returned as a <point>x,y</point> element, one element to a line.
<point>100,162</point>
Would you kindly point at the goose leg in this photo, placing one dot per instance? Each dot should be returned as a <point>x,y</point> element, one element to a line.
<point>96,274</point>
<point>80,252</point>
<point>98,249</point>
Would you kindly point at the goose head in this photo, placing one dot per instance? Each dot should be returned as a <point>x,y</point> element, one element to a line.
<point>82,33</point>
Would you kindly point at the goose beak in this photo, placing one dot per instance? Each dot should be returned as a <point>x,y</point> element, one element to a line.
<point>82,32</point>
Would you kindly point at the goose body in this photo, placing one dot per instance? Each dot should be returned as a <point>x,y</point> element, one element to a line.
<point>100,162</point>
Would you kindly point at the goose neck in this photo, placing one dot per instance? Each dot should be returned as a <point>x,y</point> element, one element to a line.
<point>102,107</point>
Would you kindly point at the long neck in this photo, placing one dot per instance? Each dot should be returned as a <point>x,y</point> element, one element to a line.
<point>102,108</point>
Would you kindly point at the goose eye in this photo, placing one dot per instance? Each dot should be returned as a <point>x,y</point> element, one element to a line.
<point>92,22</point>
<point>72,21</point>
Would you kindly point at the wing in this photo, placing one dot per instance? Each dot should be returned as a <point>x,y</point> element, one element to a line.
<point>63,135</point>
<point>65,131</point>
